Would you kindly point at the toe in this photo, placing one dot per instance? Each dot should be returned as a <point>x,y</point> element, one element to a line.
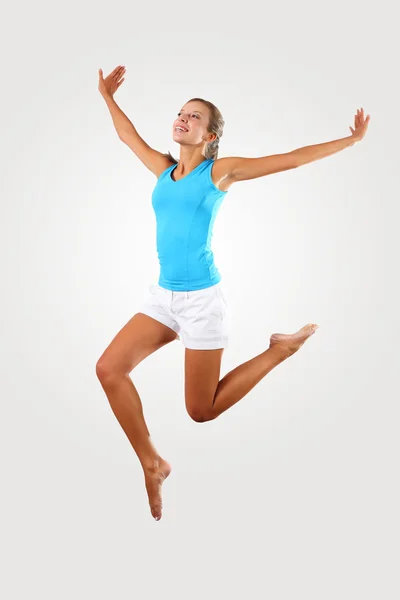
<point>156,512</point>
<point>156,515</point>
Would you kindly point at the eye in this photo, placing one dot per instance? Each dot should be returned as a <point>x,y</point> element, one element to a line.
<point>197,116</point>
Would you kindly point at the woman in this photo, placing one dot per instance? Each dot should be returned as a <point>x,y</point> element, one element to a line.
<point>188,299</point>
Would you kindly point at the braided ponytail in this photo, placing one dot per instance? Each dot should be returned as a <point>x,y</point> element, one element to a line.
<point>212,149</point>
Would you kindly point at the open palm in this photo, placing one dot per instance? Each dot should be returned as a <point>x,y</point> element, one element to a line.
<point>111,83</point>
<point>360,125</point>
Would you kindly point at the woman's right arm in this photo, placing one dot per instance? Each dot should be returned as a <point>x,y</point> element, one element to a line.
<point>152,159</point>
<point>124,127</point>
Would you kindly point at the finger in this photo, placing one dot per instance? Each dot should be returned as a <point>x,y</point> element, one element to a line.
<point>118,84</point>
<point>352,130</point>
<point>100,74</point>
<point>119,72</point>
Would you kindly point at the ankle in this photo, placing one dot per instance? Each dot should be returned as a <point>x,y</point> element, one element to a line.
<point>280,351</point>
<point>152,465</point>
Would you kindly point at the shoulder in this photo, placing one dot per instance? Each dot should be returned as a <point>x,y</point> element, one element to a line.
<point>163,164</point>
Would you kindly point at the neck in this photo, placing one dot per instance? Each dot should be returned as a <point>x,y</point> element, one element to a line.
<point>189,160</point>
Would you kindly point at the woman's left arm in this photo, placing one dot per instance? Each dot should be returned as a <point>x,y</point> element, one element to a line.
<point>239,169</point>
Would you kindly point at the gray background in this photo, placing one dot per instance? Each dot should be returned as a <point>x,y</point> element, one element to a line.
<point>293,492</point>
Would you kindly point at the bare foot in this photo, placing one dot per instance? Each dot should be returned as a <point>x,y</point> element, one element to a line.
<point>290,343</point>
<point>154,478</point>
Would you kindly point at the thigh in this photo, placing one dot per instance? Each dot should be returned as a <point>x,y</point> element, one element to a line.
<point>202,373</point>
<point>158,306</point>
<point>204,319</point>
<point>141,336</point>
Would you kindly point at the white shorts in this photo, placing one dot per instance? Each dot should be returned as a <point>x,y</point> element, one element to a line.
<point>200,317</point>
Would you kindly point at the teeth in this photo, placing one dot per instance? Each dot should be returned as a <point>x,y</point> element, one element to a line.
<point>181,129</point>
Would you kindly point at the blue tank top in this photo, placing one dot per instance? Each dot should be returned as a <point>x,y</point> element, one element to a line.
<point>185,213</point>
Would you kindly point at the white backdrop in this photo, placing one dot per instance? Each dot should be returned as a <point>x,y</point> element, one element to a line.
<point>291,493</point>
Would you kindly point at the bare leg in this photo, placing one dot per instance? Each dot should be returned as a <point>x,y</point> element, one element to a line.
<point>139,338</point>
<point>238,382</point>
<point>127,407</point>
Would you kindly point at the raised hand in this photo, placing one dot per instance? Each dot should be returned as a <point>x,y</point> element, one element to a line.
<point>109,85</point>
<point>360,125</point>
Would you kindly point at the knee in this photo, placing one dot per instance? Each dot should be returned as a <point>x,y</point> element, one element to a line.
<point>200,415</point>
<point>105,371</point>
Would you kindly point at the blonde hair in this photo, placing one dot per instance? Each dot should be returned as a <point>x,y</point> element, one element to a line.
<point>215,125</point>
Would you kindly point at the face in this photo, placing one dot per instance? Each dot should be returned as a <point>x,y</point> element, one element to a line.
<point>193,117</point>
